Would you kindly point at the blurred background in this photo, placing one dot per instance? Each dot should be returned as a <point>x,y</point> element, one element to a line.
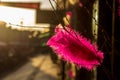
<point>26,26</point>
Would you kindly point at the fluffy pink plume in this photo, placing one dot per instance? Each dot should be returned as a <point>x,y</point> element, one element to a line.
<point>73,47</point>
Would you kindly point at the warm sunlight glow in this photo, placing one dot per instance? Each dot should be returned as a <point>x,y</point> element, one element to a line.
<point>21,16</point>
<point>17,15</point>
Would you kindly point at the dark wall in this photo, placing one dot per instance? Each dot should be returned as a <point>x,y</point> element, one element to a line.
<point>105,40</point>
<point>48,16</point>
<point>82,17</point>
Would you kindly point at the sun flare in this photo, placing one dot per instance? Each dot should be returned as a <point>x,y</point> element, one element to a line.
<point>16,15</point>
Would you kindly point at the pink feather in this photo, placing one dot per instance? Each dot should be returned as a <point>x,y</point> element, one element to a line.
<point>75,48</point>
